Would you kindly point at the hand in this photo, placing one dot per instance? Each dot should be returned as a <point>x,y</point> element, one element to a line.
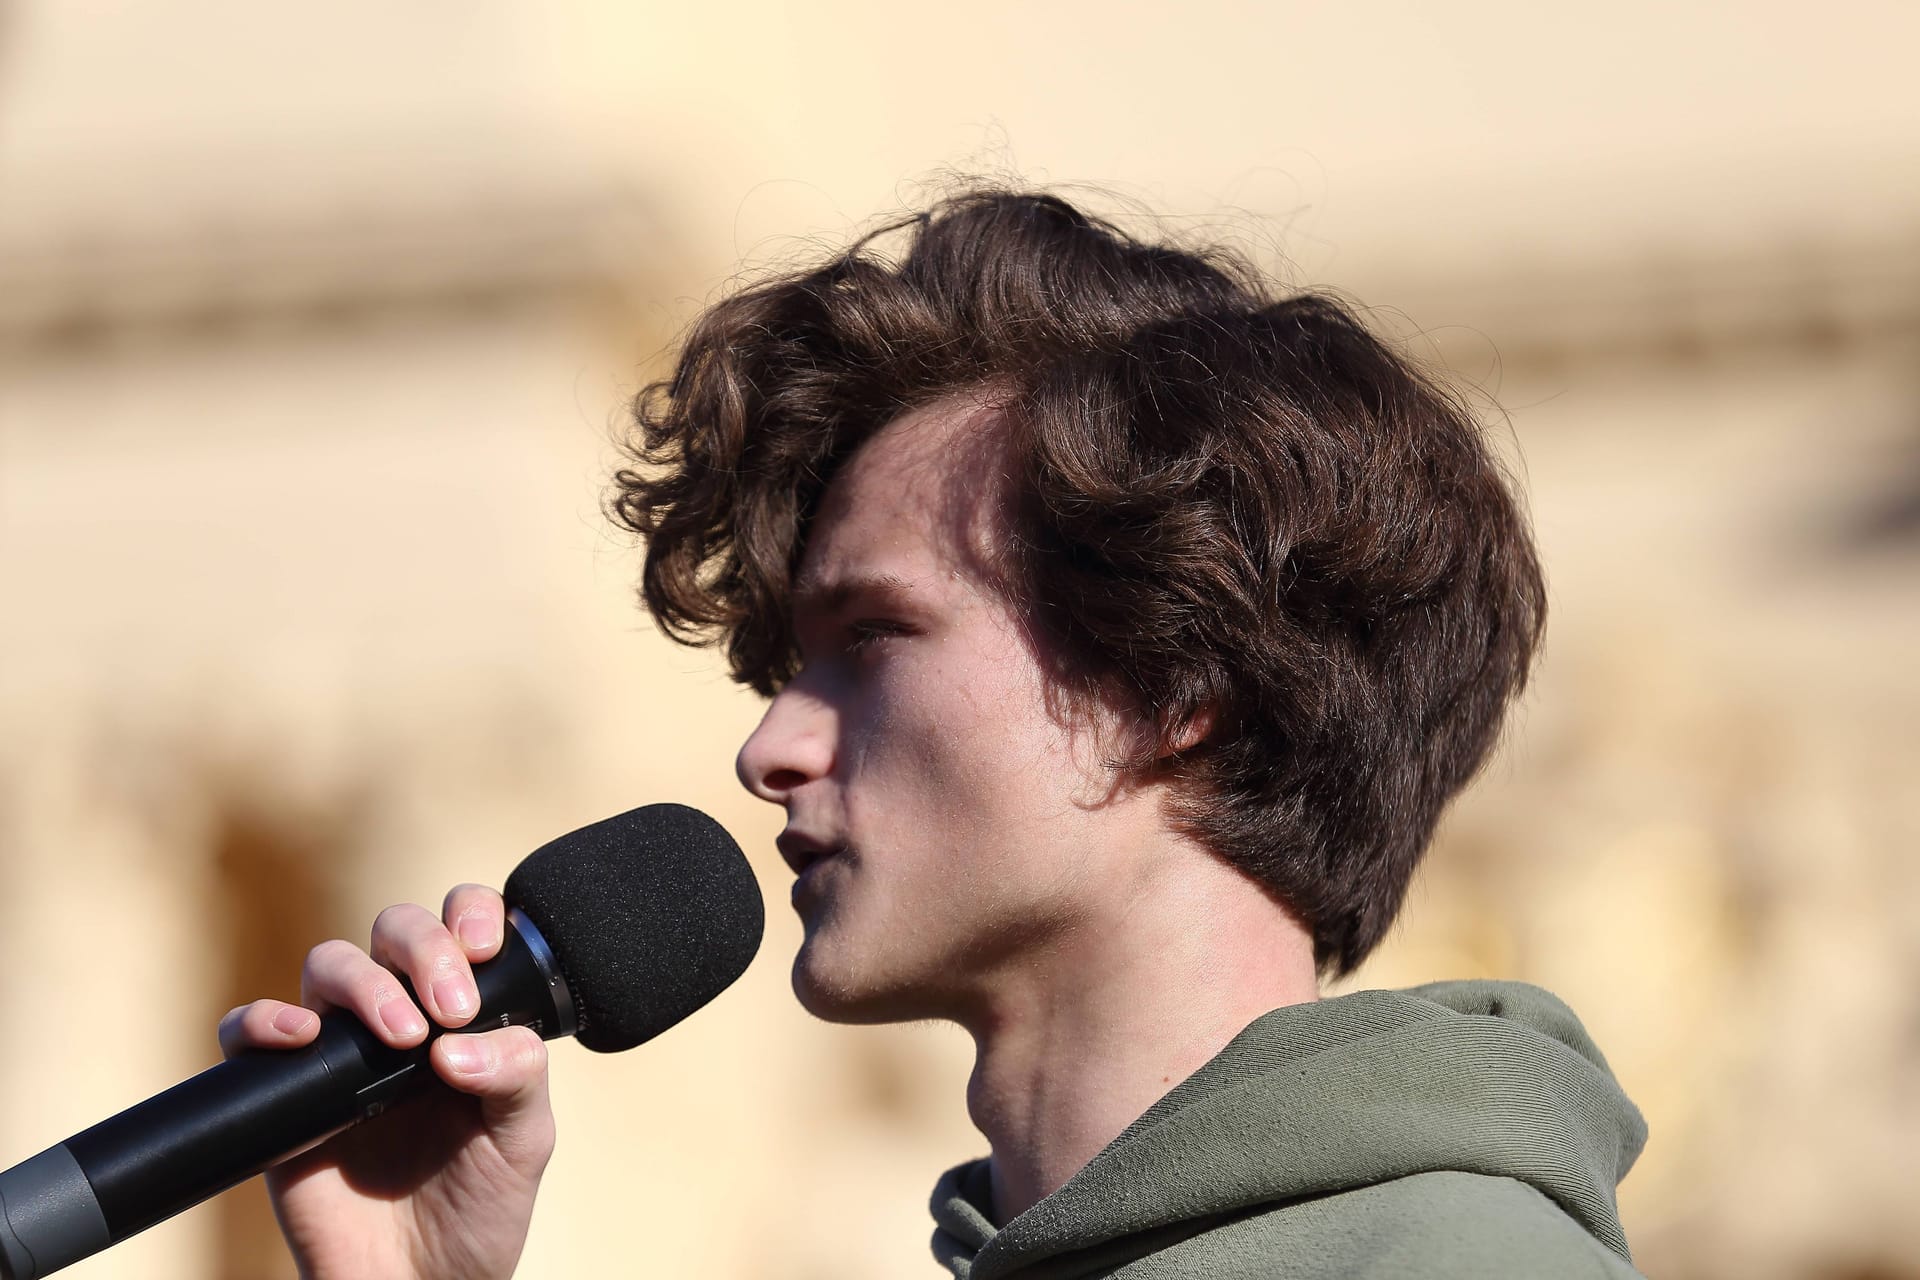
<point>442,1186</point>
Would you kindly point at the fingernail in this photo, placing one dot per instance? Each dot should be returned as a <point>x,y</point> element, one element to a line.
<point>476,931</point>
<point>465,1055</point>
<point>292,1021</point>
<point>401,1017</point>
<point>451,995</point>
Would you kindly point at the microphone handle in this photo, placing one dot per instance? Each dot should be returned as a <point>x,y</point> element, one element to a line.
<point>244,1116</point>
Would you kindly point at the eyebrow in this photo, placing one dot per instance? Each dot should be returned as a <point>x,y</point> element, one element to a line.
<point>816,596</point>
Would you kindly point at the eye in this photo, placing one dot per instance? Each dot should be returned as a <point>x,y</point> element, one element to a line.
<point>863,633</point>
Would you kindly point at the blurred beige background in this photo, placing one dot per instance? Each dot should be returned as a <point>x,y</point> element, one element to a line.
<point>314,326</point>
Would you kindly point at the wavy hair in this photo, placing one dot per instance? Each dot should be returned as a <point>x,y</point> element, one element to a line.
<point>1247,512</point>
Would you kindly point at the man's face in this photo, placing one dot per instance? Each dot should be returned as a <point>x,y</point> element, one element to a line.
<point>945,824</point>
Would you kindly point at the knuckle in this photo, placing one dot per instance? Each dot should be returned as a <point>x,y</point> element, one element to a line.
<point>526,1046</point>
<point>414,936</point>
<point>398,919</point>
<point>381,987</point>
<point>331,955</point>
<point>430,958</point>
<point>517,1052</point>
<point>472,902</point>
<point>468,895</point>
<point>338,968</point>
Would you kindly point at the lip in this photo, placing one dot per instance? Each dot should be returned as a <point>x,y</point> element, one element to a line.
<point>801,851</point>
<point>806,855</point>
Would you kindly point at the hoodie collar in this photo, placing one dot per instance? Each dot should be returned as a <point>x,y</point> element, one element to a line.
<point>1491,1078</point>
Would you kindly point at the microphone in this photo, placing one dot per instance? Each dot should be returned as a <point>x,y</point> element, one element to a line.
<point>615,933</point>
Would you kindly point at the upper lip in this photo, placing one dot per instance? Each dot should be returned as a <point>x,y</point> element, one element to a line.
<point>802,851</point>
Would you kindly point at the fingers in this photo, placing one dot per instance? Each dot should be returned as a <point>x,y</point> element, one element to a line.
<point>340,975</point>
<point>436,958</point>
<point>267,1024</point>
<point>477,917</point>
<point>411,940</point>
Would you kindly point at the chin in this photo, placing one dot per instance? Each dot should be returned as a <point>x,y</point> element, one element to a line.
<point>836,993</point>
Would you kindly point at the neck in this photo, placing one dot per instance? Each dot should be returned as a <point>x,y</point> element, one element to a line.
<point>1080,1040</point>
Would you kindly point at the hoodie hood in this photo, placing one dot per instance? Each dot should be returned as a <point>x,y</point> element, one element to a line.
<point>1490,1078</point>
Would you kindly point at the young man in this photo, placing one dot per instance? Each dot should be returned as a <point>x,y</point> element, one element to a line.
<point>1126,631</point>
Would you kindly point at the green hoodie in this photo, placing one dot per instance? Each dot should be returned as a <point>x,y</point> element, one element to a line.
<point>1463,1129</point>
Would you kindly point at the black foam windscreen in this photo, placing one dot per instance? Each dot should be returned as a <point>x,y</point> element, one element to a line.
<point>651,914</point>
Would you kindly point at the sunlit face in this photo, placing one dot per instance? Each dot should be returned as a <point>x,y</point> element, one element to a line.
<point>945,825</point>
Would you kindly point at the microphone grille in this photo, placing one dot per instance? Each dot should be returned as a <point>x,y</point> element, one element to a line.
<point>650,914</point>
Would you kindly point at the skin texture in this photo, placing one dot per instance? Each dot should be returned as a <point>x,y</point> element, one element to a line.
<point>443,1187</point>
<point>990,868</point>
<point>917,742</point>
<point>965,852</point>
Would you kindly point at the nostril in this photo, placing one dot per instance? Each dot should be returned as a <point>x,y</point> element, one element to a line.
<point>782,780</point>
<point>791,747</point>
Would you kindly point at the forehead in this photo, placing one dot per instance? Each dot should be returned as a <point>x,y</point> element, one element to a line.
<point>920,499</point>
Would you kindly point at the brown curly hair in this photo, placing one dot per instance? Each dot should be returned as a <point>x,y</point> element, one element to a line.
<point>1245,511</point>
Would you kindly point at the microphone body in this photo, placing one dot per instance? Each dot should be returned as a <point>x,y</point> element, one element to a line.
<point>245,1115</point>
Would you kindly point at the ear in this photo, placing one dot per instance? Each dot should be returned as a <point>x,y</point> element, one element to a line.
<point>1181,738</point>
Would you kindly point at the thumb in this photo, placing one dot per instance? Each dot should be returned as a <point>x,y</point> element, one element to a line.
<point>507,1070</point>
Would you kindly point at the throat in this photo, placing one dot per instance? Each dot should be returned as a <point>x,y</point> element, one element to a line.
<point>1073,1046</point>
<point>1049,1100</point>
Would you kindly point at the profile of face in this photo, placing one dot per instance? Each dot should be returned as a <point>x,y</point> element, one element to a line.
<point>948,824</point>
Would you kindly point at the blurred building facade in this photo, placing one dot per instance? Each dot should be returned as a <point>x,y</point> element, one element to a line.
<point>312,344</point>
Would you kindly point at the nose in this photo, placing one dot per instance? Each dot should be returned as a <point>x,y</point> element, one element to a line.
<point>792,746</point>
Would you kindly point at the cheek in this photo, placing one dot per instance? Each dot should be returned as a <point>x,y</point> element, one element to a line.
<point>935,731</point>
<point>968,739</point>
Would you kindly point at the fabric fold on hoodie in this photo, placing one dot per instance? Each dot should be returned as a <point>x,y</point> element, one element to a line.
<point>1431,1132</point>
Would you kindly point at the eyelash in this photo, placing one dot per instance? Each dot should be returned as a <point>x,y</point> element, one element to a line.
<point>863,632</point>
